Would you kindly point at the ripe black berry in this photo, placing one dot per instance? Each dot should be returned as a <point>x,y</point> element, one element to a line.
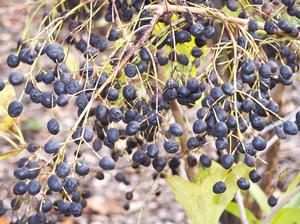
<point>232,5</point>
<point>144,54</point>
<point>82,168</point>
<point>252,26</point>
<point>132,128</point>
<point>197,29</point>
<point>216,93</point>
<point>247,105</point>
<point>290,128</point>
<point>113,34</point>
<point>53,127</point>
<point>243,183</point>
<point>175,129</point>
<point>129,93</point>
<point>257,122</point>
<point>21,173</point>
<point>48,100</point>
<point>76,209</point>
<point>102,44</point>
<point>63,170</point>
<point>248,67</point>
<point>254,176</point>
<point>152,150</point>
<point>272,201</point>
<point>183,59</point>
<point>88,134</point>
<point>129,195</point>
<point>193,143</point>
<point>99,175</point>
<point>28,56</point>
<point>54,183</point>
<point>199,126</point>
<point>59,87</point>
<point>219,187</point>
<point>196,52</point>
<point>51,147</point>
<point>220,129</point>
<point>46,205</point>
<point>159,163</point>
<point>62,100</point>
<point>192,161</point>
<point>227,161</point>
<point>286,72</point>
<point>171,146</point>
<point>20,188</point>
<point>202,112</point>
<point>221,143</point>
<point>113,94</point>
<point>265,71</point>
<point>270,27</point>
<point>47,77</point>
<point>34,187</point>
<point>55,52</point>
<point>107,163</point>
<point>205,161</point>
<point>16,79</point>
<point>228,88</point>
<point>259,143</point>
<point>13,60</point>
<point>71,184</point>
<point>15,108</point>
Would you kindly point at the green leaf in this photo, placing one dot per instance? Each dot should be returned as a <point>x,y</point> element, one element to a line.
<point>294,202</point>
<point>233,209</point>
<point>293,183</point>
<point>203,172</point>
<point>261,198</point>
<point>9,154</point>
<point>201,205</point>
<point>287,216</point>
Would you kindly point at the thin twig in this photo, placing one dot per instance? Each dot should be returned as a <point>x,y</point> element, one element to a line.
<point>281,203</point>
<point>272,125</point>
<point>239,201</point>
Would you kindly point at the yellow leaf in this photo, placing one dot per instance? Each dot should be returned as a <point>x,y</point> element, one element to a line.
<point>9,154</point>
<point>6,96</point>
<point>71,61</point>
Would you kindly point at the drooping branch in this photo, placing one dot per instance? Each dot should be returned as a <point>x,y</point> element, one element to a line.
<point>139,43</point>
<point>158,9</point>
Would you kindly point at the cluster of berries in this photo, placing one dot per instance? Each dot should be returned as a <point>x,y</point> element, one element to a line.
<point>137,104</point>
